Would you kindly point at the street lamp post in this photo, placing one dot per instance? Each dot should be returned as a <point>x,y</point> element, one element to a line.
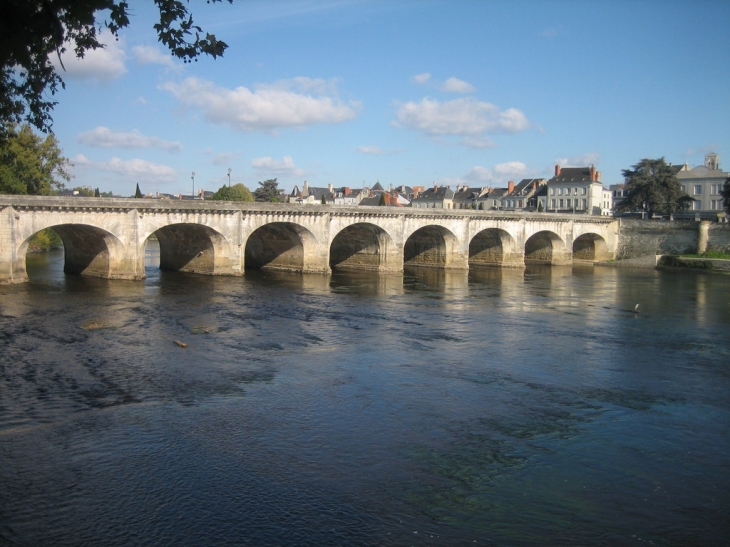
<point>229,183</point>
<point>192,176</point>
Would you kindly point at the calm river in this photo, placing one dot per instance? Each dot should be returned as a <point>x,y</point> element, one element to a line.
<point>497,407</point>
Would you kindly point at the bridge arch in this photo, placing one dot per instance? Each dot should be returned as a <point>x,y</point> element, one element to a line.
<point>494,247</point>
<point>546,247</point>
<point>88,250</point>
<point>362,246</point>
<point>433,246</point>
<point>279,246</point>
<point>191,247</point>
<point>591,246</point>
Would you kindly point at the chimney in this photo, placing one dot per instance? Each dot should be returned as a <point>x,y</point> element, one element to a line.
<point>598,176</point>
<point>510,186</point>
<point>593,173</point>
<point>331,187</point>
<point>347,190</point>
<point>557,170</point>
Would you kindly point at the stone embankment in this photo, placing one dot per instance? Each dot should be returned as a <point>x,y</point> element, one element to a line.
<point>652,243</point>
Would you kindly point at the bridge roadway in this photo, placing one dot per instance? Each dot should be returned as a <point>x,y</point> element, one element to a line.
<point>106,237</point>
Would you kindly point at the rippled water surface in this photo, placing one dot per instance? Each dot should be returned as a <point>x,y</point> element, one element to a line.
<point>491,408</point>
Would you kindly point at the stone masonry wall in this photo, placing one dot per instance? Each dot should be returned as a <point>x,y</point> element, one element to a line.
<point>656,237</point>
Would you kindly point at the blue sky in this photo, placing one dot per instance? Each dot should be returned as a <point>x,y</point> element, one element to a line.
<point>401,92</point>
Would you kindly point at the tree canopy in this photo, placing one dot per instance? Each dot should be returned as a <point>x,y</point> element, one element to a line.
<point>652,187</point>
<point>237,192</point>
<point>30,164</point>
<point>267,191</point>
<point>726,194</point>
<point>33,31</point>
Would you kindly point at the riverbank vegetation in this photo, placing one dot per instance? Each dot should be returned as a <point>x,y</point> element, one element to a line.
<point>43,241</point>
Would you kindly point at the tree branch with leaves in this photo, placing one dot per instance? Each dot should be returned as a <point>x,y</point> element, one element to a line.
<point>32,32</point>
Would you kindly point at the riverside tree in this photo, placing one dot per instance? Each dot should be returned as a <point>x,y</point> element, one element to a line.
<point>237,192</point>
<point>726,195</point>
<point>267,191</point>
<point>32,32</point>
<point>652,187</point>
<point>30,164</point>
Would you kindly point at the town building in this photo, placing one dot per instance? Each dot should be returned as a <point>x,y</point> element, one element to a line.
<point>704,185</point>
<point>438,197</point>
<point>577,190</point>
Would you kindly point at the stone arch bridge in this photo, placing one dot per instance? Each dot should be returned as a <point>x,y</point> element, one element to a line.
<point>107,238</point>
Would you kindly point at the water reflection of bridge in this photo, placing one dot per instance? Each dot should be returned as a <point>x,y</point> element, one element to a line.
<point>107,237</point>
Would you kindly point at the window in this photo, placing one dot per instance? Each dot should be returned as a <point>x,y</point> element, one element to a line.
<point>561,203</point>
<point>560,191</point>
<point>695,205</point>
<point>553,206</point>
<point>684,189</point>
<point>585,204</point>
<point>698,189</point>
<point>575,191</point>
<point>583,191</point>
<point>716,188</point>
<point>713,204</point>
<point>519,204</point>
<point>552,191</point>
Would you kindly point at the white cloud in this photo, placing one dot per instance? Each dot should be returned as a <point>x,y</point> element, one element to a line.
<point>103,64</point>
<point>372,150</point>
<point>376,151</point>
<point>464,117</point>
<point>454,85</point>
<point>148,55</point>
<point>590,158</point>
<point>135,170</point>
<point>275,168</point>
<point>498,176</point>
<point>269,107</point>
<point>421,78</point>
<point>478,142</point>
<point>104,137</point>
<point>224,158</point>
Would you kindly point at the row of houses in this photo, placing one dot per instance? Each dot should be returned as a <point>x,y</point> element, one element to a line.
<point>570,190</point>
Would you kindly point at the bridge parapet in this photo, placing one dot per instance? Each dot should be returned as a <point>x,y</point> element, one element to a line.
<point>106,237</point>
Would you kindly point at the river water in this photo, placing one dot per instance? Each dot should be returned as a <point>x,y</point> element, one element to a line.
<point>498,407</point>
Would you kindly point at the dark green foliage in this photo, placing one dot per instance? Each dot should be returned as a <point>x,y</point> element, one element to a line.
<point>652,187</point>
<point>45,240</point>
<point>726,194</point>
<point>268,191</point>
<point>30,164</point>
<point>540,208</point>
<point>138,192</point>
<point>32,32</point>
<point>382,200</point>
<point>97,193</point>
<point>324,199</point>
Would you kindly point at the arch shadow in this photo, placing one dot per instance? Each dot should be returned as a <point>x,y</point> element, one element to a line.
<point>590,247</point>
<point>87,250</point>
<point>360,246</point>
<point>491,247</point>
<point>189,248</point>
<point>431,246</point>
<point>278,246</point>
<point>543,247</point>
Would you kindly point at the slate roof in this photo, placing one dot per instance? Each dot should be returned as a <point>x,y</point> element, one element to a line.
<point>435,194</point>
<point>573,174</point>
